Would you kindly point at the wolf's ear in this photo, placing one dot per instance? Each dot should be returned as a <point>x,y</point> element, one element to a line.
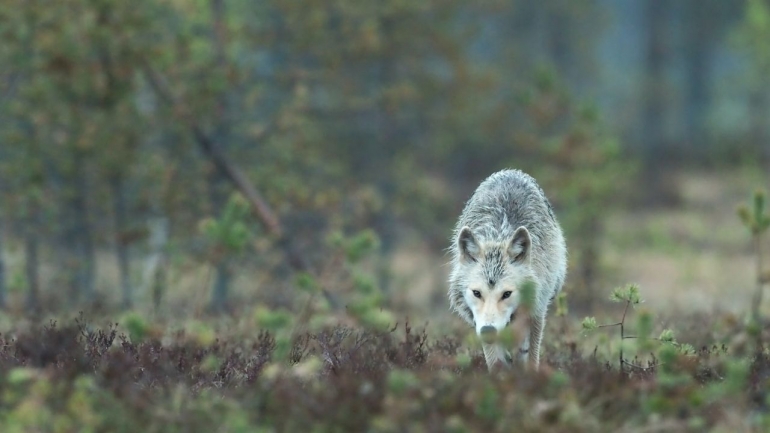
<point>518,249</point>
<point>469,247</point>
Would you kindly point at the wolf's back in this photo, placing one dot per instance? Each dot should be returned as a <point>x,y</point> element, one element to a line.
<point>504,201</point>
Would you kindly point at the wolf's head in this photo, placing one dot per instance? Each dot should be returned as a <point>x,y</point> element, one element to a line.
<point>489,276</point>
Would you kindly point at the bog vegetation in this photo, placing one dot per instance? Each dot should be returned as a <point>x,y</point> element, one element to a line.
<point>232,216</point>
<point>125,377</point>
<point>276,371</point>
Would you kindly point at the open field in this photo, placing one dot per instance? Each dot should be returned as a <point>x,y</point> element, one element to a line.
<point>695,257</point>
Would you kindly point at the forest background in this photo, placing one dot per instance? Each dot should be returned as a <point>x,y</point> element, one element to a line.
<point>125,130</point>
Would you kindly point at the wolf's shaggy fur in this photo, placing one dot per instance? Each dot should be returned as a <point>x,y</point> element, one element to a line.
<point>507,234</point>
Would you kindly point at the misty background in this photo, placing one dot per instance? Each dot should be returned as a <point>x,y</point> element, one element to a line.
<point>195,156</point>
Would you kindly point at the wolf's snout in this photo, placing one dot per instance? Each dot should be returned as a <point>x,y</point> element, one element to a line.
<point>488,334</point>
<point>488,329</point>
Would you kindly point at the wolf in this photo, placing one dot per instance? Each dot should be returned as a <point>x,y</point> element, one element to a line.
<point>506,236</point>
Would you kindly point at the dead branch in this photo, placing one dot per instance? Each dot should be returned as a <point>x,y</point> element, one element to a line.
<point>213,152</point>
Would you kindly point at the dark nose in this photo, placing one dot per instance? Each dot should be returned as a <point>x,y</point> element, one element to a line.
<point>488,330</point>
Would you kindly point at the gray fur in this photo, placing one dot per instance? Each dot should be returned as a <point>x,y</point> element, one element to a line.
<point>492,251</point>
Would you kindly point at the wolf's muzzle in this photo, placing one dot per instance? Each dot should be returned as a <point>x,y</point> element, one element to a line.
<point>488,330</point>
<point>488,334</point>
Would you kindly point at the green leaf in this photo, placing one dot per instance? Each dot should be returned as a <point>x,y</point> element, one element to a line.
<point>364,283</point>
<point>361,245</point>
<point>463,360</point>
<point>561,305</point>
<point>589,323</point>
<point>667,336</point>
<point>306,282</point>
<point>629,293</point>
<point>759,205</point>
<point>137,327</point>
<point>745,215</point>
<point>272,320</point>
<point>19,375</point>
<point>399,381</point>
<point>644,330</point>
<point>667,354</point>
<point>618,295</point>
<point>488,407</point>
<point>378,318</point>
<point>633,294</point>
<point>527,295</point>
<point>758,14</point>
<point>765,224</point>
<point>736,376</point>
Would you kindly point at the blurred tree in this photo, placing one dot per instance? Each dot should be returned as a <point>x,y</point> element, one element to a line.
<point>656,102</point>
<point>3,290</point>
<point>705,25</point>
<point>338,94</point>
<point>325,116</point>
<point>229,235</point>
<point>753,37</point>
<point>24,175</point>
<point>221,134</point>
<point>32,257</point>
<point>699,41</point>
<point>75,98</point>
<point>580,165</point>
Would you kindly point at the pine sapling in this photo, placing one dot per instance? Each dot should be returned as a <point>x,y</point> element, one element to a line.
<point>630,296</point>
<point>757,221</point>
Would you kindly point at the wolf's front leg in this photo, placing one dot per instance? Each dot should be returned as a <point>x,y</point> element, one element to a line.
<point>524,349</point>
<point>494,353</point>
<point>536,336</point>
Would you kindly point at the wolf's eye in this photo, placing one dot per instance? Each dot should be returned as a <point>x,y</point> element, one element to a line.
<point>507,294</point>
<point>477,294</point>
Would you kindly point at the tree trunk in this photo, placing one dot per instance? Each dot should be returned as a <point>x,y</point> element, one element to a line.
<point>68,249</point>
<point>121,243</point>
<point>698,71</point>
<point>217,190</point>
<point>558,44</point>
<point>655,104</point>
<point>31,259</point>
<point>158,282</point>
<point>2,267</point>
<point>222,278</point>
<point>85,247</point>
<point>759,109</point>
<point>655,59</point>
<point>65,238</point>
<point>589,260</point>
<point>154,276</point>
<point>378,162</point>
<point>221,287</point>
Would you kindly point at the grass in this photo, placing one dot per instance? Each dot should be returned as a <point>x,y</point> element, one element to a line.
<point>76,376</point>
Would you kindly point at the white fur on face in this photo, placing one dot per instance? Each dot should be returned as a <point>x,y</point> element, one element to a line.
<point>492,309</point>
<point>491,268</point>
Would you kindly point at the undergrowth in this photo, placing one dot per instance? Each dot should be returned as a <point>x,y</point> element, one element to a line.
<point>76,377</point>
<point>302,372</point>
